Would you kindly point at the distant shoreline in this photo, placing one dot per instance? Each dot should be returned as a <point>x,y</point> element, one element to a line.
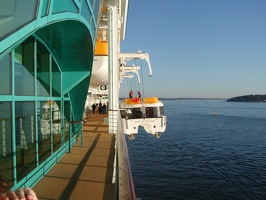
<point>180,98</point>
<point>192,98</point>
<point>248,98</point>
<point>245,98</point>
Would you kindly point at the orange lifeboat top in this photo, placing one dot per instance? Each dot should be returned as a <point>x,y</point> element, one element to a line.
<point>101,48</point>
<point>141,100</point>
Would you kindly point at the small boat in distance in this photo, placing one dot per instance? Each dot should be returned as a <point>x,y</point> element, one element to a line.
<point>147,112</point>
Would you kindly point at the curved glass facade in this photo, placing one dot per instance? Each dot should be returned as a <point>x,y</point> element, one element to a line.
<point>65,6</point>
<point>45,74</point>
<point>5,75</point>
<point>32,117</point>
<point>16,13</point>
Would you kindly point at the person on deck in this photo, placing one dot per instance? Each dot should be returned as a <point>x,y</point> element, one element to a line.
<point>97,108</point>
<point>139,94</point>
<point>100,107</point>
<point>93,108</point>
<point>130,94</point>
<point>104,109</point>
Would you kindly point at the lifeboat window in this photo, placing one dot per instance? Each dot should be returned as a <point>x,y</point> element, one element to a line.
<point>123,113</point>
<point>162,110</point>
<point>149,112</point>
<point>136,113</point>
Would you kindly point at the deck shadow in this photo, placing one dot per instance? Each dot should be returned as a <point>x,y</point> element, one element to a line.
<point>74,179</point>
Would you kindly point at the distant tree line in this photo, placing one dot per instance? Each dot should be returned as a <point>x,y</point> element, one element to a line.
<point>248,98</point>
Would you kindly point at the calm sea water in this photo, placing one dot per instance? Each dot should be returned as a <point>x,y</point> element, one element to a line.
<point>201,156</point>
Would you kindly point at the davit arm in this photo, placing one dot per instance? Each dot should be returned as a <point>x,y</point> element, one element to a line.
<point>125,57</point>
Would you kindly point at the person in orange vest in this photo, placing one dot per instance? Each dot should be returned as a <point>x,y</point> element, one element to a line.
<point>130,94</point>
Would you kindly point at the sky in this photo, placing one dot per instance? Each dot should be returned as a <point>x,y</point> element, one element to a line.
<point>198,48</point>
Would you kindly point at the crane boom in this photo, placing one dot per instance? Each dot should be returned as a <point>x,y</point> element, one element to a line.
<point>125,57</point>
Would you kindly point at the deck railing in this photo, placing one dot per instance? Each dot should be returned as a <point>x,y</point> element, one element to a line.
<point>33,145</point>
<point>124,181</point>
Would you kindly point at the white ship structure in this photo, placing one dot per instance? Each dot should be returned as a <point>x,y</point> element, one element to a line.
<point>56,58</point>
<point>98,90</point>
<point>147,112</point>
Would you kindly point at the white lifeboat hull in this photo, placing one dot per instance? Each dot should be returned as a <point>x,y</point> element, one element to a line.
<point>150,125</point>
<point>145,112</point>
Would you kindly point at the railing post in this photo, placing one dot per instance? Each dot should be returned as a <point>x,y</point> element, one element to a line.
<point>23,141</point>
<point>32,129</point>
<point>4,137</point>
<point>112,117</point>
<point>81,135</point>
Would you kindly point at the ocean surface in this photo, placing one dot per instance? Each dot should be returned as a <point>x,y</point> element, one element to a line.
<point>202,156</point>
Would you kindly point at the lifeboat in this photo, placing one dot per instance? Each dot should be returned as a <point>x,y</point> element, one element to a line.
<point>146,112</point>
<point>98,90</point>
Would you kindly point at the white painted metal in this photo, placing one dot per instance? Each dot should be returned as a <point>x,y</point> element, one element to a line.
<point>153,125</point>
<point>99,72</point>
<point>125,70</point>
<point>113,90</point>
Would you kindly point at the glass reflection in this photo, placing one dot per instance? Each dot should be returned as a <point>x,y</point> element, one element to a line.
<point>6,173</point>
<point>44,130</point>
<point>24,68</point>
<point>43,71</point>
<point>25,138</point>
<point>5,75</point>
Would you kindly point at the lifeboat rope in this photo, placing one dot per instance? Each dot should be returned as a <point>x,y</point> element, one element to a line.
<point>133,84</point>
<point>142,80</point>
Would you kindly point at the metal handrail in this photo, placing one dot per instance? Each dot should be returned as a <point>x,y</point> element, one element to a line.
<point>124,182</point>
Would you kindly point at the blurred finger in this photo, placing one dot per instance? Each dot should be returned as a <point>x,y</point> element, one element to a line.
<point>30,194</point>
<point>3,197</point>
<point>11,195</point>
<point>20,193</point>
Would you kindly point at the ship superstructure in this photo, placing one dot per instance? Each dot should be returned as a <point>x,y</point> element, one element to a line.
<point>46,56</point>
<point>136,111</point>
<point>110,68</point>
<point>54,56</point>
<point>47,50</point>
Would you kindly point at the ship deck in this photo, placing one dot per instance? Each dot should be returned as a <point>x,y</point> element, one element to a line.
<point>86,172</point>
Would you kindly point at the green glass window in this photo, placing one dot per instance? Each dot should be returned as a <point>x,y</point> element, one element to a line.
<point>5,145</point>
<point>65,6</point>
<point>5,75</point>
<point>43,72</point>
<point>25,138</point>
<point>56,125</point>
<point>67,117</point>
<point>45,7</point>
<point>44,130</point>
<point>24,68</point>
<point>56,80</point>
<point>85,12</point>
<point>15,14</point>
